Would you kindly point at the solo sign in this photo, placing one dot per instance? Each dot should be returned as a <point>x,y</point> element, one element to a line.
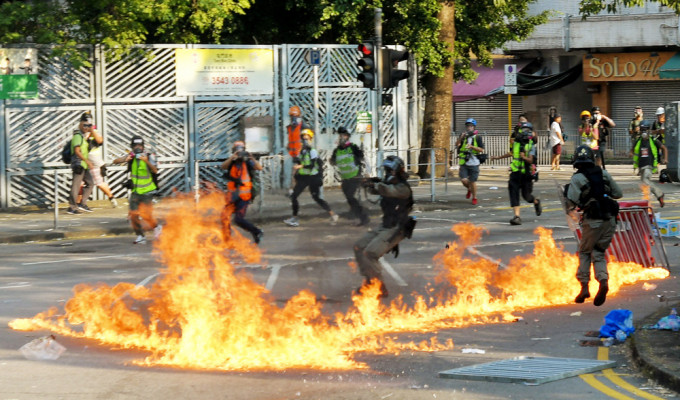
<point>624,66</point>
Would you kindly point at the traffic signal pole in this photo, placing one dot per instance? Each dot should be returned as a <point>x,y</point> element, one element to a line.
<point>377,111</point>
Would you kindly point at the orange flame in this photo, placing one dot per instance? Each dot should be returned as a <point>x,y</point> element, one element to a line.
<point>204,314</point>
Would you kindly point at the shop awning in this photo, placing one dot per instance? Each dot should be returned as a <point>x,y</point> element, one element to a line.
<point>671,69</point>
<point>529,85</point>
<point>488,79</point>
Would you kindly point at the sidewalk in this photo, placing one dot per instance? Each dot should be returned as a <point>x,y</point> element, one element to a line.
<point>655,351</point>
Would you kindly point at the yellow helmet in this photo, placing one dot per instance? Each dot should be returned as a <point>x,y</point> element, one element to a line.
<point>308,132</point>
<point>585,113</point>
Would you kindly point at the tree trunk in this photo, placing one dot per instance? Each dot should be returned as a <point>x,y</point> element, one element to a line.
<point>437,120</point>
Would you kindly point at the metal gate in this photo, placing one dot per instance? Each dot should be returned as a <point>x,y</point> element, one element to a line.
<point>137,95</point>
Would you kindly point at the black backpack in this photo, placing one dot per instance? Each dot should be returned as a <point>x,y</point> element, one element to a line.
<point>66,153</point>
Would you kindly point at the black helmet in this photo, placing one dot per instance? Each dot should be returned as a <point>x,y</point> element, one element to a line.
<point>584,155</point>
<point>136,140</point>
<point>527,126</point>
<point>343,131</point>
<point>645,125</point>
<point>393,163</point>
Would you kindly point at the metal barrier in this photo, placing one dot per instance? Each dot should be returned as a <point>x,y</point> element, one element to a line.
<point>636,239</point>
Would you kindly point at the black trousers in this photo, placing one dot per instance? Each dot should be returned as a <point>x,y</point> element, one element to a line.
<point>523,183</point>
<point>314,182</point>
<point>349,188</point>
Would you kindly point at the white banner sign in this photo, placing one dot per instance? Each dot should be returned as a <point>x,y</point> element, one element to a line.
<point>215,72</point>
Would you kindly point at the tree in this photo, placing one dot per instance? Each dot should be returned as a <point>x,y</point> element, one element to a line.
<point>115,24</point>
<point>591,7</point>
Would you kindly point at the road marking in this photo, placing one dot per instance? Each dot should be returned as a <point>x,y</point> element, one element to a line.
<point>81,259</point>
<point>147,279</point>
<point>16,285</point>
<point>592,381</point>
<point>273,277</point>
<point>603,354</point>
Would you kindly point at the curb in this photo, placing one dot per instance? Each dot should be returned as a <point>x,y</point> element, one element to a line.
<point>643,355</point>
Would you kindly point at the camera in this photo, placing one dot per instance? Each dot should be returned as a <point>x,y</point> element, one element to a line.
<point>139,155</point>
<point>242,154</point>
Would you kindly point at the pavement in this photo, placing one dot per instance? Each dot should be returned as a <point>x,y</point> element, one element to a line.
<point>656,352</point>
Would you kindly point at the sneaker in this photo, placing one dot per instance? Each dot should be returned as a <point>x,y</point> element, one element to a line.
<point>292,221</point>
<point>290,193</point>
<point>537,207</point>
<point>140,240</point>
<point>157,231</point>
<point>114,202</point>
<point>469,193</point>
<point>661,201</point>
<point>257,237</point>
<point>474,202</point>
<point>334,219</point>
<point>84,207</point>
<point>73,211</point>
<point>516,221</point>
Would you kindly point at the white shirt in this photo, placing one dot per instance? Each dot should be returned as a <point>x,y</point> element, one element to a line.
<point>554,130</point>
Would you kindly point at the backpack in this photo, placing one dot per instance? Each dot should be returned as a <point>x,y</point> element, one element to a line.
<point>66,153</point>
<point>595,200</point>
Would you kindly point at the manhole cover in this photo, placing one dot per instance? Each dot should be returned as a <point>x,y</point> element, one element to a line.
<point>529,370</point>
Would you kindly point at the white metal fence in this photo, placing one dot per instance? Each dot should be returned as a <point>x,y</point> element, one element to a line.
<point>137,95</point>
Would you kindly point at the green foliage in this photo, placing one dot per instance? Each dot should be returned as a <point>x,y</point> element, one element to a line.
<point>592,7</point>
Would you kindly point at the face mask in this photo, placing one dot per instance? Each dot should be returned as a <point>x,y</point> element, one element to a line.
<point>645,135</point>
<point>306,143</point>
<point>138,150</point>
<point>297,120</point>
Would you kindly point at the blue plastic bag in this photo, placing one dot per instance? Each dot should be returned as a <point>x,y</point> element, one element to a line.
<point>617,320</point>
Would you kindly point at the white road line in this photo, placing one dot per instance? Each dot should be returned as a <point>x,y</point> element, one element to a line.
<point>147,279</point>
<point>81,259</point>
<point>392,272</point>
<point>16,285</point>
<point>273,276</point>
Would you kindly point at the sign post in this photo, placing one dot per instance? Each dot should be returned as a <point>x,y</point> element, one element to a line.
<point>313,58</point>
<point>510,88</point>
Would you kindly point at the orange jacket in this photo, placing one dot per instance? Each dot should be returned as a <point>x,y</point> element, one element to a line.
<point>240,175</point>
<point>294,140</point>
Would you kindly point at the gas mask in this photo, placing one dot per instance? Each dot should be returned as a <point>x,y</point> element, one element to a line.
<point>306,143</point>
<point>138,150</point>
<point>644,135</point>
<point>297,120</point>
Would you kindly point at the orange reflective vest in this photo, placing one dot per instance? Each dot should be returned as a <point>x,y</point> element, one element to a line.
<point>294,140</point>
<point>241,177</point>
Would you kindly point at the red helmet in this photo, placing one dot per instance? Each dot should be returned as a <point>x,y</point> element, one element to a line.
<point>294,111</point>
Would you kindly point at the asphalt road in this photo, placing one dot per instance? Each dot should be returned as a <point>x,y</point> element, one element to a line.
<point>315,256</point>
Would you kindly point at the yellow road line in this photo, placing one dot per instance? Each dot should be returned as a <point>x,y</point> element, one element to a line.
<point>603,354</point>
<point>592,381</point>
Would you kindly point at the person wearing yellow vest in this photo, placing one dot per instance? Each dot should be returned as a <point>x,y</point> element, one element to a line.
<point>308,173</point>
<point>238,169</point>
<point>80,166</point>
<point>469,145</point>
<point>347,159</point>
<point>523,153</point>
<point>142,166</point>
<point>646,153</point>
<point>589,133</point>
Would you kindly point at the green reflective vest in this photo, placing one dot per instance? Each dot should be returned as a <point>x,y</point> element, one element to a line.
<point>306,161</point>
<point>463,148</point>
<point>655,154</point>
<point>142,181</point>
<point>345,162</point>
<point>518,164</point>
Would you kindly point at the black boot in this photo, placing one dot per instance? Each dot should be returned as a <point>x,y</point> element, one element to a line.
<point>584,294</point>
<point>601,295</point>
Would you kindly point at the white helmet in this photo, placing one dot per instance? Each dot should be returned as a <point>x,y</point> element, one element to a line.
<point>660,111</point>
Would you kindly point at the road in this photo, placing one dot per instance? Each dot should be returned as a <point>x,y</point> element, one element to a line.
<point>315,256</point>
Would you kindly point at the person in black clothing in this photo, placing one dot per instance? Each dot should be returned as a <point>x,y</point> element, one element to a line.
<point>604,124</point>
<point>347,159</point>
<point>592,189</point>
<point>396,202</point>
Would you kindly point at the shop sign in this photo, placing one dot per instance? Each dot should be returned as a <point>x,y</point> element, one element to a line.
<point>624,66</point>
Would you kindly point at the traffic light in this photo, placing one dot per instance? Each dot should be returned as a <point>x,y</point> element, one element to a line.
<point>390,74</point>
<point>367,63</point>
